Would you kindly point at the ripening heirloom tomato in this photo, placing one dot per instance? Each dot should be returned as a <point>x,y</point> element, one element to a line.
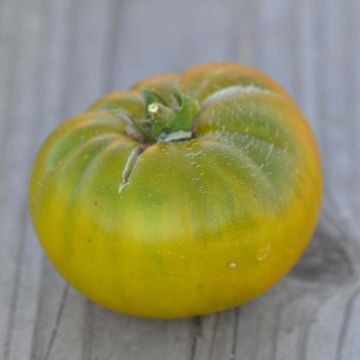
<point>185,195</point>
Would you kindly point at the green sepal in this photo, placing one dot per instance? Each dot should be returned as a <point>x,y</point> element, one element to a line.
<point>178,98</point>
<point>185,116</point>
<point>162,120</point>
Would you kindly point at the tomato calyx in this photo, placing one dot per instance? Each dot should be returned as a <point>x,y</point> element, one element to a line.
<point>163,123</point>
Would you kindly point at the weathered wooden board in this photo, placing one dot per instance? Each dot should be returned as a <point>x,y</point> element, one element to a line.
<point>57,56</point>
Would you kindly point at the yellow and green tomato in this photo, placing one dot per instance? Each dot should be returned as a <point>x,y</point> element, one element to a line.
<point>186,195</point>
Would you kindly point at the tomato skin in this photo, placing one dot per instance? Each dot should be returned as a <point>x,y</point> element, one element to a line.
<point>202,224</point>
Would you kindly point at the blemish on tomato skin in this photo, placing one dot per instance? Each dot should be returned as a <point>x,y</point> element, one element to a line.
<point>232,265</point>
<point>263,253</point>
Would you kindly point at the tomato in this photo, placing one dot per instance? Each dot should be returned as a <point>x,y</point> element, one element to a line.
<point>186,195</point>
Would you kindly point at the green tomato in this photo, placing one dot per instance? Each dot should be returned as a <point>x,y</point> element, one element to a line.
<point>186,195</point>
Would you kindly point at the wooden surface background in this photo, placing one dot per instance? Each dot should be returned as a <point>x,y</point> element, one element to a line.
<point>58,56</point>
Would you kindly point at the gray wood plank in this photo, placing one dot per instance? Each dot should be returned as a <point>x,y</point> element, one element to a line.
<point>57,57</point>
<point>6,15</point>
<point>18,266</point>
<point>157,37</point>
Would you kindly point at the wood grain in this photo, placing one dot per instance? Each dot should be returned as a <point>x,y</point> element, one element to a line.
<point>58,56</point>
